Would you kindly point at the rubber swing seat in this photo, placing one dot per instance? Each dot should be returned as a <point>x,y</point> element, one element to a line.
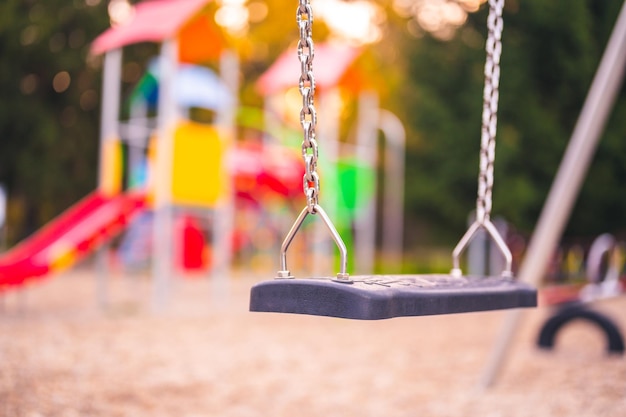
<point>375,297</point>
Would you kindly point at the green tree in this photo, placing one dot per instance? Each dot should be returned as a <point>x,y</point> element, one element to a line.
<point>49,112</point>
<point>550,54</point>
<point>49,108</point>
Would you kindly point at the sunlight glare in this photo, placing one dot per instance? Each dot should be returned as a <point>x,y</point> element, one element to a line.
<point>440,18</point>
<point>120,12</point>
<point>357,22</point>
<point>233,15</point>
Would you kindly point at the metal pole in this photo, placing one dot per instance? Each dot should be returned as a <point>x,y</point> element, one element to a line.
<point>3,211</point>
<point>138,141</point>
<point>367,153</point>
<point>109,126</point>
<point>393,208</point>
<point>606,84</point>
<point>162,245</point>
<point>328,131</point>
<point>112,74</point>
<point>224,213</point>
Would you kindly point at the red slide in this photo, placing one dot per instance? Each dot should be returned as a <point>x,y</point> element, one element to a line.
<point>76,232</point>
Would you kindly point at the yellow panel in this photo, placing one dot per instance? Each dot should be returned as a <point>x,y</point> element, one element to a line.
<point>151,180</point>
<point>111,167</point>
<point>198,177</point>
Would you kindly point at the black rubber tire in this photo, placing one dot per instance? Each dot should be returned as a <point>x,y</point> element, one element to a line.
<point>578,311</point>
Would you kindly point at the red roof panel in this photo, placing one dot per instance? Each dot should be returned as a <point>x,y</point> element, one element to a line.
<point>330,63</point>
<point>152,21</point>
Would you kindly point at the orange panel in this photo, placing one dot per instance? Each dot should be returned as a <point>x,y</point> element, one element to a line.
<point>200,41</point>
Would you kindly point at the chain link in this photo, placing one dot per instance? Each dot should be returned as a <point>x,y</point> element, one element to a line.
<point>308,116</point>
<point>490,110</point>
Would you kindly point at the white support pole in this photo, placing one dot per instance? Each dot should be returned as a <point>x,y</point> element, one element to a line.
<point>109,127</point>
<point>328,136</point>
<point>366,153</point>
<point>224,213</point>
<point>271,123</point>
<point>111,91</point>
<point>600,99</point>
<point>393,208</point>
<point>162,240</point>
<point>139,138</point>
<point>229,73</point>
<point>3,211</point>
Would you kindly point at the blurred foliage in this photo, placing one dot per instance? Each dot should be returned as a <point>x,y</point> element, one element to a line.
<point>49,127</point>
<point>48,137</point>
<point>550,54</point>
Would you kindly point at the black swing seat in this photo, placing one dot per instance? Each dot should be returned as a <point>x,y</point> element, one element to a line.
<point>375,297</point>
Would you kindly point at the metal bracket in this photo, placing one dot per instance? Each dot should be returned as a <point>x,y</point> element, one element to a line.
<point>495,236</point>
<point>342,275</point>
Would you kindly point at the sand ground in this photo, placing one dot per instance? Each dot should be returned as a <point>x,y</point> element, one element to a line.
<point>61,354</point>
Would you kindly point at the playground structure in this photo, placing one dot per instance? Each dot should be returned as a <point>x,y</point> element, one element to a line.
<point>172,25</point>
<point>578,278</point>
<point>276,173</point>
<point>77,232</point>
<point>187,179</point>
<point>197,167</point>
<point>174,164</point>
<point>350,165</point>
<point>603,271</point>
<point>111,180</point>
<point>259,173</point>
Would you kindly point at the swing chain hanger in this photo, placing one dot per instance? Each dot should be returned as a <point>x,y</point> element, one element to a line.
<point>491,95</point>
<point>308,115</point>
<point>310,152</point>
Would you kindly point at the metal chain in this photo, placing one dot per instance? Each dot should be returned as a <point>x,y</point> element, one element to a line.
<point>488,146</point>
<point>308,117</point>
<point>490,110</point>
<point>308,120</point>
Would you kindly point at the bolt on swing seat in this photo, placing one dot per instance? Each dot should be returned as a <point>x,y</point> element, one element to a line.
<point>374,297</point>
